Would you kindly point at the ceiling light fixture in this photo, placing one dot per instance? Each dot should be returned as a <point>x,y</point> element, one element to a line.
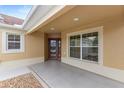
<point>76,19</point>
<point>52,28</point>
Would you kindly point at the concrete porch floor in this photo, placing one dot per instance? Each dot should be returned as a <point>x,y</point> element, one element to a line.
<point>60,75</point>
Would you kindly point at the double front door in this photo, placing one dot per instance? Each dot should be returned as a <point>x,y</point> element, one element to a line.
<point>54,47</point>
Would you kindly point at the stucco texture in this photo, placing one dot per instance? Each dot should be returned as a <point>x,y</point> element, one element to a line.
<point>34,46</point>
<point>113,38</point>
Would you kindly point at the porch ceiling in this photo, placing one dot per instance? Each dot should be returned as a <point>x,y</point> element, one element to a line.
<point>86,14</point>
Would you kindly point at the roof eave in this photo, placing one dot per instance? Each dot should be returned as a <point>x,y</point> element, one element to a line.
<point>51,16</point>
<point>29,15</point>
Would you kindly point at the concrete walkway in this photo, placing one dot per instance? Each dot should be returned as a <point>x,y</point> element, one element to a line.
<point>60,75</point>
<point>11,73</point>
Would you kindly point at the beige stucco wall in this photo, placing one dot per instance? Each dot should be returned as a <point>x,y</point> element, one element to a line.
<point>113,41</point>
<point>53,35</point>
<point>34,46</point>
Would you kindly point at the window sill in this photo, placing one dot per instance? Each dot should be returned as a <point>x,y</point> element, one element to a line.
<point>13,52</point>
<point>85,61</point>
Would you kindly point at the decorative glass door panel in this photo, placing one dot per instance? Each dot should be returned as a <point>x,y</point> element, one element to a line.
<point>54,49</point>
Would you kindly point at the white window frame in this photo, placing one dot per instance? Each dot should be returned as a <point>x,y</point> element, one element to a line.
<point>100,44</point>
<point>5,42</point>
<point>74,46</point>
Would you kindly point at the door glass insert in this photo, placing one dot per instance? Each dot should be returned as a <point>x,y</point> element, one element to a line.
<point>54,49</point>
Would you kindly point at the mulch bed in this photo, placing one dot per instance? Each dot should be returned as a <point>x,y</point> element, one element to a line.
<point>22,81</point>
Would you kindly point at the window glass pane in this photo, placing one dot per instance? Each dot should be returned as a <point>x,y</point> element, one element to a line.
<point>13,41</point>
<point>53,43</point>
<point>90,39</point>
<point>90,53</point>
<point>17,45</point>
<point>11,45</point>
<point>75,52</point>
<point>13,37</point>
<point>75,40</point>
<point>10,37</point>
<point>17,37</point>
<point>72,41</point>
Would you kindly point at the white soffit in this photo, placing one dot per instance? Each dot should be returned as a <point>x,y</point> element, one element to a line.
<point>40,15</point>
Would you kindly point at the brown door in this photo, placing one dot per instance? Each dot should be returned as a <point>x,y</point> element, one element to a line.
<point>54,49</point>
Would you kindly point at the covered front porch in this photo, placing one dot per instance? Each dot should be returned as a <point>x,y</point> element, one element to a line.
<point>60,75</point>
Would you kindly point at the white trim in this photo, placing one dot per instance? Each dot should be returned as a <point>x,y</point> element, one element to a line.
<point>4,43</point>
<point>80,46</point>
<point>45,18</point>
<point>100,39</point>
<point>42,82</point>
<point>112,73</point>
<point>11,26</point>
<point>29,15</point>
<point>100,53</point>
<point>19,63</point>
